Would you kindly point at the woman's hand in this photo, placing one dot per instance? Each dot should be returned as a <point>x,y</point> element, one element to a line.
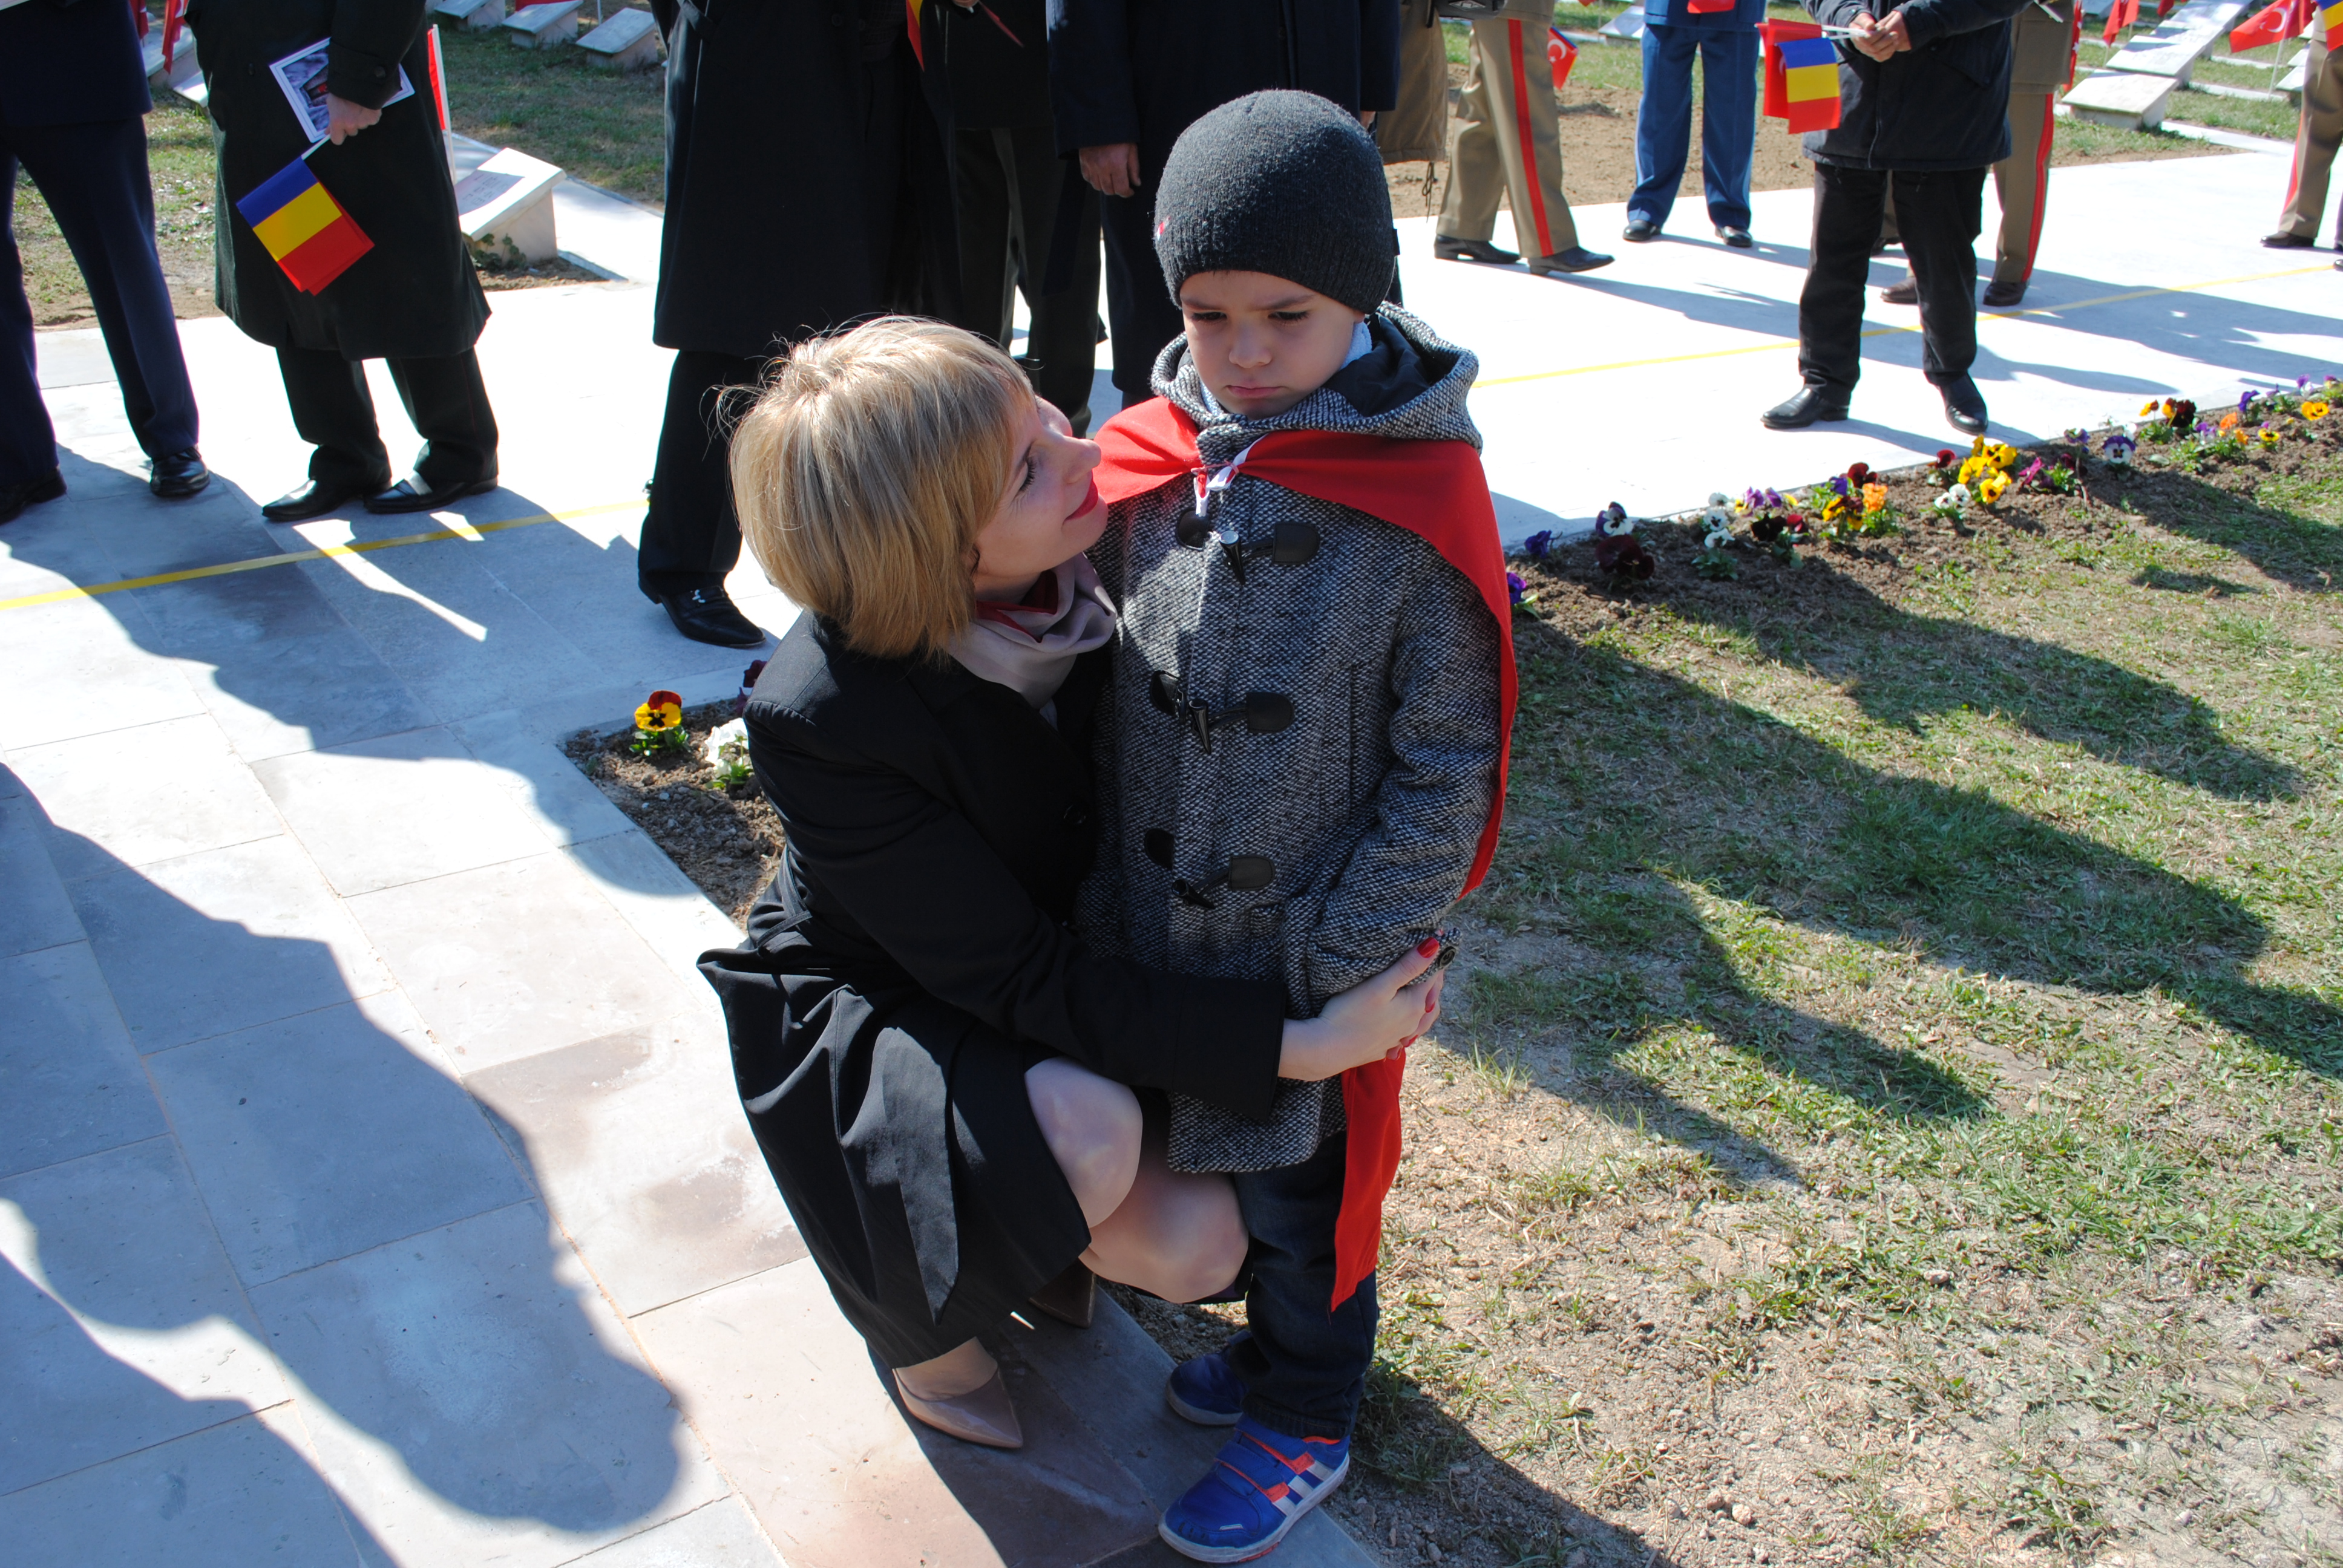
<point>1367,1022</point>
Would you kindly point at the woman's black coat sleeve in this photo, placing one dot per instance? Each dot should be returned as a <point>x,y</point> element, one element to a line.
<point>920,881</point>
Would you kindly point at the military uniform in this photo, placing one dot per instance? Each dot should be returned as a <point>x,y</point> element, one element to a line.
<point>2315,140</point>
<point>1510,143</point>
<point>1416,129</point>
<point>2042,62</point>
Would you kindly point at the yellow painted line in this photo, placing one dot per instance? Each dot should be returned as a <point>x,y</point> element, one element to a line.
<point>1779,343</point>
<point>456,529</point>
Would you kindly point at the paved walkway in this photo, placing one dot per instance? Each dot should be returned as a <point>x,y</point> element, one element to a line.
<point>370,1177</point>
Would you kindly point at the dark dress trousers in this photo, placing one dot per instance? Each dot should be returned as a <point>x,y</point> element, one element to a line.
<point>413,299</point>
<point>1009,180</point>
<point>1726,45</point>
<point>72,94</point>
<point>1143,71</point>
<point>806,186</point>
<point>1927,122</point>
<point>908,964</point>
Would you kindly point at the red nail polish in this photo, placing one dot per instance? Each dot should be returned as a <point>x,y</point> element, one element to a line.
<point>1427,947</point>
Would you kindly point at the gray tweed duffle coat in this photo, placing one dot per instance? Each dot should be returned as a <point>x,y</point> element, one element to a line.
<point>1368,804</point>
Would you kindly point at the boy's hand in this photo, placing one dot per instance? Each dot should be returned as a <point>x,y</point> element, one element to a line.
<point>1111,170</point>
<point>1367,1022</point>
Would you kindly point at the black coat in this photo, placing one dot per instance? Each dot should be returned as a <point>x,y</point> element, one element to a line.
<point>912,961</point>
<point>998,81</point>
<point>68,64</point>
<point>1145,70</point>
<point>1943,103</point>
<point>415,295</point>
<point>776,174</point>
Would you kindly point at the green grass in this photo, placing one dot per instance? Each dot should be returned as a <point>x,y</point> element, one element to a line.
<point>605,129</point>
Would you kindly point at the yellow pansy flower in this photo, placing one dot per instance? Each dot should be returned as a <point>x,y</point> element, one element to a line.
<point>2314,409</point>
<point>1989,488</point>
<point>660,711</point>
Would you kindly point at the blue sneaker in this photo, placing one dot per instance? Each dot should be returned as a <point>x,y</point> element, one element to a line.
<point>1206,1389</point>
<point>1258,1489</point>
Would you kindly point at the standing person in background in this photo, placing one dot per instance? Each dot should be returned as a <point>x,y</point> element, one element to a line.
<point>2042,64</point>
<point>412,299</point>
<point>1126,76</point>
<point>2315,137</point>
<point>807,185</point>
<point>1923,101</point>
<point>1510,146</point>
<point>1007,179</point>
<point>1416,129</point>
<point>72,90</point>
<point>1725,39</point>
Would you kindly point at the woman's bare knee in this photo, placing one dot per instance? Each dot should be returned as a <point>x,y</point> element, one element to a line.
<point>1093,1126</point>
<point>1209,1263</point>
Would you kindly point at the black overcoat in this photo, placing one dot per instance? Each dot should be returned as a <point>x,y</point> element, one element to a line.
<point>1943,103</point>
<point>1143,71</point>
<point>912,959</point>
<point>770,182</point>
<point>415,295</point>
<point>70,65</point>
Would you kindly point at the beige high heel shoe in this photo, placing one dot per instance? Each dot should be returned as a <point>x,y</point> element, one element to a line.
<point>982,1415</point>
<point>1071,1297</point>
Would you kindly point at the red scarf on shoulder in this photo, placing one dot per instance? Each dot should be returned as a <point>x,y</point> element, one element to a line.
<point>1435,490</point>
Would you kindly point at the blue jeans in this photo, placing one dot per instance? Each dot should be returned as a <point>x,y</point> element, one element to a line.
<point>1304,1368</point>
<point>1728,121</point>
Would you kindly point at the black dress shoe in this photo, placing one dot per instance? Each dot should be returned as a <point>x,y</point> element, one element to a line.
<point>14,498</point>
<point>1907,292</point>
<point>1738,238</point>
<point>1812,405</point>
<point>2000,295</point>
<point>1577,259</point>
<point>1640,231</point>
<point>708,615</point>
<point>313,498</point>
<point>1964,407</point>
<point>178,475</point>
<point>416,494</point>
<point>1446,247</point>
<point>2284,241</point>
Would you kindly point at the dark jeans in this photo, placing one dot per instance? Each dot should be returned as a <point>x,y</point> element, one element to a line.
<point>1304,1368</point>
<point>1006,186</point>
<point>1940,214</point>
<point>691,536</point>
<point>445,398</point>
<point>93,177</point>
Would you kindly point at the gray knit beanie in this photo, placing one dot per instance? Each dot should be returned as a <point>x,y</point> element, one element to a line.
<point>1283,183</point>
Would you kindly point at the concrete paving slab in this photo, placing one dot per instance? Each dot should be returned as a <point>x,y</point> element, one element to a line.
<point>223,941</point>
<point>660,903</point>
<point>396,810</point>
<point>281,694</point>
<point>473,1398</point>
<point>638,1144</point>
<point>559,800</point>
<point>35,913</point>
<point>89,668</point>
<point>106,811</point>
<point>721,1535</point>
<point>114,1260</point>
<point>322,1135</point>
<point>840,1478</point>
<point>73,1085</point>
<point>514,959</point>
<point>236,1495</point>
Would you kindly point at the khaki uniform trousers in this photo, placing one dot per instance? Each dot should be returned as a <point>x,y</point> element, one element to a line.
<point>2022,181</point>
<point>1509,142</point>
<point>1416,129</point>
<point>2314,145</point>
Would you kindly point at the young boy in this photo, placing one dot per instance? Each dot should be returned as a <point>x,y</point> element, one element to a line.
<point>1304,756</point>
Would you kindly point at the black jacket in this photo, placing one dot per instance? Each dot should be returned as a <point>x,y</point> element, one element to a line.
<point>1145,70</point>
<point>778,171</point>
<point>1944,104</point>
<point>912,959</point>
<point>69,62</point>
<point>414,295</point>
<point>999,59</point>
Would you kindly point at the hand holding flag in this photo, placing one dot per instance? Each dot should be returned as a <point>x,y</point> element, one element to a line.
<point>303,227</point>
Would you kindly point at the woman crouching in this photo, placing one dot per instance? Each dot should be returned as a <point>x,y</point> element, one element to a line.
<point>940,1078</point>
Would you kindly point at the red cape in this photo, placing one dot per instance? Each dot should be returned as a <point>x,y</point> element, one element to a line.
<point>1435,490</point>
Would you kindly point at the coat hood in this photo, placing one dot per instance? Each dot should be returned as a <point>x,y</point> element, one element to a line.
<point>1410,385</point>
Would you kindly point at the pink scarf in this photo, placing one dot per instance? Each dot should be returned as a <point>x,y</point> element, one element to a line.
<point>1030,647</point>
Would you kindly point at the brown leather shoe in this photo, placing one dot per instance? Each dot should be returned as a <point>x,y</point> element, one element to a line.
<point>1071,1297</point>
<point>2282,240</point>
<point>1904,293</point>
<point>981,1415</point>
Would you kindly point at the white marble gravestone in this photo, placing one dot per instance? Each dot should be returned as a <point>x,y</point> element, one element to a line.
<point>543,26</point>
<point>472,15</point>
<point>506,209</point>
<point>2128,100</point>
<point>628,41</point>
<point>2180,40</point>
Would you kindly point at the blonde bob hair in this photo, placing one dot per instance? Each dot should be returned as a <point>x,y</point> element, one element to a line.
<point>866,468</point>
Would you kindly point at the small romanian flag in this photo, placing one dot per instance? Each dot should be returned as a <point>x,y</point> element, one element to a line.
<point>305,229</point>
<point>1810,83</point>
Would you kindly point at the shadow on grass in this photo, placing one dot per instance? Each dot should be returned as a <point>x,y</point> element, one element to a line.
<point>2301,552</point>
